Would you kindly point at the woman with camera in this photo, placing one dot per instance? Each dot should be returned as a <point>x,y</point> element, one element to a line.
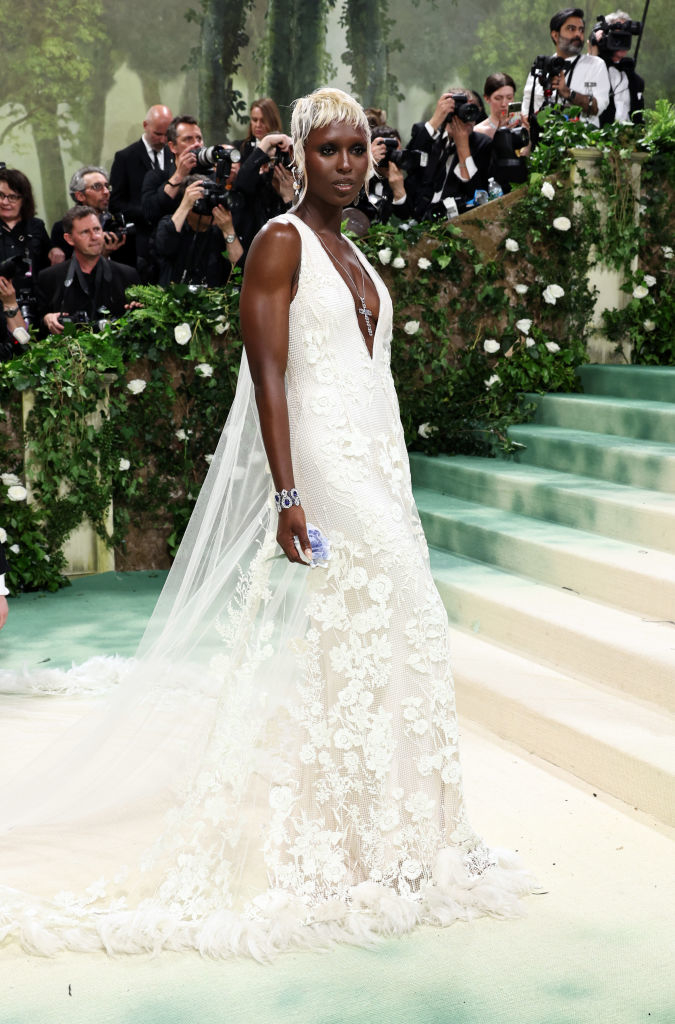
<point>265,183</point>
<point>24,251</point>
<point>265,120</point>
<point>198,244</point>
<point>499,91</point>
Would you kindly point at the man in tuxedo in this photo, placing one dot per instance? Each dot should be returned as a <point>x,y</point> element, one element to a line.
<point>453,160</point>
<point>88,286</point>
<point>128,171</point>
<point>584,82</point>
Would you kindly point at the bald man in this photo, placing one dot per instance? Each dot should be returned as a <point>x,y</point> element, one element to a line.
<point>126,179</point>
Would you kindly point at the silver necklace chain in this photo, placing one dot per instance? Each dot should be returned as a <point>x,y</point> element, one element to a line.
<point>364,311</point>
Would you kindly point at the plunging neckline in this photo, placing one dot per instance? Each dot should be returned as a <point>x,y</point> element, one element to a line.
<point>366,270</point>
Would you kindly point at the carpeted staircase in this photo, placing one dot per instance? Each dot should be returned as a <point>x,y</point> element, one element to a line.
<point>557,569</point>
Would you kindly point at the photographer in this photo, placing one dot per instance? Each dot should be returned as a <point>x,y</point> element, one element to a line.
<point>87,287</point>
<point>508,129</point>
<point>190,242</point>
<point>456,161</point>
<point>13,327</point>
<point>162,188</point>
<point>90,187</point>
<point>264,184</point>
<point>568,78</point>
<point>387,194</point>
<point>265,119</point>
<point>611,41</point>
<point>24,248</point>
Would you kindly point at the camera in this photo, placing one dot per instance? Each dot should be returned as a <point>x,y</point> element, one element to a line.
<point>219,157</point>
<point>465,109</point>
<point>615,36</point>
<point>506,144</point>
<point>15,266</point>
<point>546,69</point>
<point>279,156</point>
<point>80,318</point>
<point>214,194</point>
<point>116,224</point>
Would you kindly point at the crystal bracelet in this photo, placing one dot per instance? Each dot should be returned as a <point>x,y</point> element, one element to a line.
<point>286,499</point>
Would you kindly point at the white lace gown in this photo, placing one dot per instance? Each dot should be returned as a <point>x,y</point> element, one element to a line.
<point>324,799</point>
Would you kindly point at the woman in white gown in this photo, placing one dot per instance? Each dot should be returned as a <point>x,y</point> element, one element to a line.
<point>280,764</point>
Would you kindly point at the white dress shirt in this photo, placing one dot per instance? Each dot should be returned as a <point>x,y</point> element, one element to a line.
<point>586,74</point>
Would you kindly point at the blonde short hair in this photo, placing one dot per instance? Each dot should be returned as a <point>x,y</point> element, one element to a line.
<point>318,109</point>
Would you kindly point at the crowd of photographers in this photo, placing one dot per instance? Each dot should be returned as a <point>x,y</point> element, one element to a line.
<point>175,210</point>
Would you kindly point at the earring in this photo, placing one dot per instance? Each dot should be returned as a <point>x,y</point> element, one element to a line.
<point>297,180</point>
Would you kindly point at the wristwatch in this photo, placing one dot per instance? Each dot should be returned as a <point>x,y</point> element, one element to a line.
<point>230,239</point>
<point>9,313</point>
<point>572,97</point>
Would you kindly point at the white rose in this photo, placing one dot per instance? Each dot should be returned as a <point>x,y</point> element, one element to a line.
<point>426,430</point>
<point>491,346</point>
<point>530,342</point>
<point>221,328</point>
<point>649,326</point>
<point>552,293</point>
<point>208,458</point>
<point>552,346</point>
<point>9,479</point>
<point>649,280</point>
<point>639,292</point>
<point>15,549</point>
<point>562,223</point>
<point>136,386</point>
<point>423,263</point>
<point>411,326</point>
<point>205,369</point>
<point>511,245</point>
<point>667,251</point>
<point>547,190</point>
<point>3,536</point>
<point>494,379</point>
<point>521,289</point>
<point>124,464</point>
<point>398,263</point>
<point>181,435</point>
<point>182,333</point>
<point>524,326</point>
<point>17,493</point>
<point>384,256</point>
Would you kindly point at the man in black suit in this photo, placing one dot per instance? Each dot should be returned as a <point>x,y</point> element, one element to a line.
<point>162,191</point>
<point>88,283</point>
<point>458,160</point>
<point>129,168</point>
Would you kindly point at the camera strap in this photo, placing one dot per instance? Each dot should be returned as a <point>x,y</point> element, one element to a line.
<point>568,76</point>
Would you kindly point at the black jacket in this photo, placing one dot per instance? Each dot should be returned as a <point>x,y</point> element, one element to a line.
<point>27,239</point>
<point>61,288</point>
<point>439,178</point>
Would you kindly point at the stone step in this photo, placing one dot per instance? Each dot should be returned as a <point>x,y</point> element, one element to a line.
<point>639,516</point>
<point>654,383</point>
<point>644,464</point>
<point>622,746</point>
<point>625,575</point>
<point>602,414</point>
<point>572,634</point>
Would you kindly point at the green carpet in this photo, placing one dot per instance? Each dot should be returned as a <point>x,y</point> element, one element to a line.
<point>103,614</point>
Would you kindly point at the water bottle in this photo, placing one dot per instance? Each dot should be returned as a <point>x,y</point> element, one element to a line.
<point>494,189</point>
<point>480,197</point>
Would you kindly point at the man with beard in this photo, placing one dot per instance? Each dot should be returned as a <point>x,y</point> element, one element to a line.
<point>584,81</point>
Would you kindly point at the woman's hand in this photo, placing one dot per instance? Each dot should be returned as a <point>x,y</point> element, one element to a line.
<point>292,524</point>
<point>282,182</point>
<point>275,139</point>
<point>192,193</point>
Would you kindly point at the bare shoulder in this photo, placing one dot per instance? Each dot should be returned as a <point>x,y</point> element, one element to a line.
<point>275,253</point>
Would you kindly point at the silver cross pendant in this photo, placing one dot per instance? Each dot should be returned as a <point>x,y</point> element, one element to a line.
<point>367,313</point>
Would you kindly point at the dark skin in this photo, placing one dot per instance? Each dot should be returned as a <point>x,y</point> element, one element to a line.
<point>336,162</point>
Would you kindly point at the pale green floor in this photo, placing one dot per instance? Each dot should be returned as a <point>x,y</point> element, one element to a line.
<point>597,947</point>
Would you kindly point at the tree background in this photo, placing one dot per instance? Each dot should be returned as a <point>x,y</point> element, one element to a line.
<point>76,78</point>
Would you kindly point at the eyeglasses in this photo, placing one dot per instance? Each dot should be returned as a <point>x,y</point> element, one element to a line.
<point>9,197</point>
<point>98,186</point>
